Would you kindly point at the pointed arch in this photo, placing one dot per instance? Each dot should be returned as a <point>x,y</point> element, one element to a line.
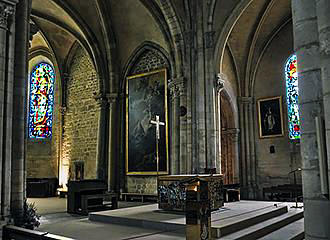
<point>139,52</point>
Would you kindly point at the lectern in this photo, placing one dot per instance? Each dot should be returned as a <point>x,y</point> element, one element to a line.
<point>198,211</point>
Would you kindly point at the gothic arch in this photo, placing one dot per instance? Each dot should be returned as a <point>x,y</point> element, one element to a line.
<point>138,53</point>
<point>225,33</point>
<point>173,31</point>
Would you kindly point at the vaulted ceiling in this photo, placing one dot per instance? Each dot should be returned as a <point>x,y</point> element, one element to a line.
<point>110,30</point>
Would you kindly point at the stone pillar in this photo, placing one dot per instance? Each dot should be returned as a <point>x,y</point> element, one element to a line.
<point>219,86</point>
<point>113,167</point>
<point>102,138</point>
<point>7,32</point>
<point>307,48</point>
<point>323,19</point>
<point>248,162</point>
<point>63,166</point>
<point>235,153</point>
<point>185,165</point>
<point>210,100</point>
<point>175,128</point>
<point>23,9</point>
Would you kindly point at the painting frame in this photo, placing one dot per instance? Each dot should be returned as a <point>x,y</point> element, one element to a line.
<point>128,170</point>
<point>270,117</point>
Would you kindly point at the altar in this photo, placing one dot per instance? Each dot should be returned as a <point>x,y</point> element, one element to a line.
<point>172,190</point>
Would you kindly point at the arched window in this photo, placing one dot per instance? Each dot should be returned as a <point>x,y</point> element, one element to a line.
<point>291,75</point>
<point>41,101</point>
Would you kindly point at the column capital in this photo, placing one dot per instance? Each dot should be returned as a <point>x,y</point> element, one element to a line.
<point>209,39</point>
<point>245,100</point>
<point>189,37</point>
<point>220,80</point>
<point>63,110</point>
<point>233,133</point>
<point>112,97</point>
<point>33,31</point>
<point>101,99</point>
<point>177,87</point>
<point>6,10</point>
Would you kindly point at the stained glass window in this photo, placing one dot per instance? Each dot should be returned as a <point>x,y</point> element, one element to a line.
<point>291,75</point>
<point>41,101</point>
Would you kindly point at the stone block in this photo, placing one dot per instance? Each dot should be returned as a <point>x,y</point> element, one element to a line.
<point>317,215</point>
<point>303,9</point>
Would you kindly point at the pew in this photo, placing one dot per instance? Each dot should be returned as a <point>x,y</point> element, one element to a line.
<point>231,192</point>
<point>285,192</point>
<point>41,187</point>
<point>89,195</point>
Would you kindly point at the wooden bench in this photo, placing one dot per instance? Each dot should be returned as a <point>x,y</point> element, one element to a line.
<point>231,192</point>
<point>285,192</point>
<point>97,201</point>
<point>140,196</point>
<point>86,195</point>
<point>41,187</point>
<point>10,232</point>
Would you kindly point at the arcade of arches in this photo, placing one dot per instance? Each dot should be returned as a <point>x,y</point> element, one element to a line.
<point>217,62</point>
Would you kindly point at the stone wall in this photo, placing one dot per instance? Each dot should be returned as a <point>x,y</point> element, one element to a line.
<point>42,154</point>
<point>81,116</point>
<point>273,168</point>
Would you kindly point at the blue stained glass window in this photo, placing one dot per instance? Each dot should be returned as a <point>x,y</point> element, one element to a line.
<point>41,101</point>
<point>291,75</point>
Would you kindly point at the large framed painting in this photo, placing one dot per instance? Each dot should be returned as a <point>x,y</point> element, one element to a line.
<point>270,117</point>
<point>146,97</point>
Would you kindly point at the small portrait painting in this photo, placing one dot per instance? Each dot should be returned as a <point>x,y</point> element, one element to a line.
<point>270,117</point>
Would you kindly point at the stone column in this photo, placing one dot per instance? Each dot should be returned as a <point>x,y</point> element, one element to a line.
<point>113,166</point>
<point>210,100</point>
<point>185,166</point>
<point>235,153</point>
<point>63,166</point>
<point>323,19</point>
<point>23,9</point>
<point>244,102</point>
<point>219,86</point>
<point>307,48</point>
<point>102,138</point>
<point>7,32</point>
<point>174,133</point>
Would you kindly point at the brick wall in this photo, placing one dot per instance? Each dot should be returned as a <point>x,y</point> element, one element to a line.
<point>82,114</point>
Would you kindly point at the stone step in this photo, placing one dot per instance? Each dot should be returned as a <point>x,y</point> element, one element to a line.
<point>233,224</point>
<point>293,231</point>
<point>263,228</point>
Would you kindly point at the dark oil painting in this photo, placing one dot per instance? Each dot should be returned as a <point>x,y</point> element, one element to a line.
<point>270,117</point>
<point>146,97</point>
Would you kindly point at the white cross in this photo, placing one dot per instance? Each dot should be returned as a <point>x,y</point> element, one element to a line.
<point>157,123</point>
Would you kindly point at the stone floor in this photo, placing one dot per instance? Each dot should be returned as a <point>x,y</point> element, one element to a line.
<point>55,220</point>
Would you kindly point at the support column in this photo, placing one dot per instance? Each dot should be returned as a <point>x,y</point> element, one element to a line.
<point>211,82</point>
<point>323,20</point>
<point>235,152</point>
<point>102,138</point>
<point>219,86</point>
<point>113,166</point>
<point>23,9</point>
<point>7,31</point>
<point>175,125</point>
<point>185,166</point>
<point>307,48</point>
<point>245,158</point>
